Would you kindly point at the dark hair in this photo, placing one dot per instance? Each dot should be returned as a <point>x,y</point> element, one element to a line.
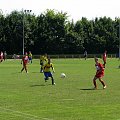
<point>96,58</point>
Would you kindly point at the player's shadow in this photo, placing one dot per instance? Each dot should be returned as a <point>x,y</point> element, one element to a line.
<point>15,72</point>
<point>87,89</point>
<point>39,85</point>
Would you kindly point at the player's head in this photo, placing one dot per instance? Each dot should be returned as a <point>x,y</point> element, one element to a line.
<point>96,59</point>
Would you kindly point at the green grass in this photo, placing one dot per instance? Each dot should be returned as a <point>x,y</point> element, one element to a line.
<point>27,97</point>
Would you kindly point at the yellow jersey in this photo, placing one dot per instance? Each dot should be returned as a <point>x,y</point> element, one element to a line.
<point>30,55</point>
<point>43,59</point>
<point>47,67</point>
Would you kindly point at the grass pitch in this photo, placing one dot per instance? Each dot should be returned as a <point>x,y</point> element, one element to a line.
<point>27,97</point>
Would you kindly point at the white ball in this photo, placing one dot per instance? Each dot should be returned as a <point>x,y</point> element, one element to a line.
<point>62,75</point>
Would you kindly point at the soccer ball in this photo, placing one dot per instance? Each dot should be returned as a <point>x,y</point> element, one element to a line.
<point>62,75</point>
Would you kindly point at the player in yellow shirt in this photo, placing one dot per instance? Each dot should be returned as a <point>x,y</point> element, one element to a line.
<point>47,71</point>
<point>30,56</point>
<point>43,61</point>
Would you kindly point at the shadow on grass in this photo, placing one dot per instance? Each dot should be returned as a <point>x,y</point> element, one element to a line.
<point>88,89</point>
<point>39,85</point>
<point>16,72</point>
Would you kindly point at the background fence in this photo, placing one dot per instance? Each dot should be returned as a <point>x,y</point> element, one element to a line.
<point>79,56</point>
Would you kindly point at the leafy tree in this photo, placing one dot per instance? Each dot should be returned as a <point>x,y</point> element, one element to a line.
<point>51,32</point>
<point>2,36</point>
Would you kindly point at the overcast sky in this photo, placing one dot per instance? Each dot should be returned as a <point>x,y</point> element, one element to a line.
<point>76,9</point>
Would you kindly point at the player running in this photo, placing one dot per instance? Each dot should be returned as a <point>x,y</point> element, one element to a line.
<point>104,57</point>
<point>47,72</point>
<point>30,56</point>
<point>85,54</point>
<point>24,61</point>
<point>99,74</point>
<point>1,56</point>
<point>43,60</point>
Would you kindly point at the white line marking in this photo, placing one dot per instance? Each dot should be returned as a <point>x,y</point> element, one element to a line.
<point>25,115</point>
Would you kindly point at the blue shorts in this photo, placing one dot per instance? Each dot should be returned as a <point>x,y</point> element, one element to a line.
<point>30,58</point>
<point>48,74</point>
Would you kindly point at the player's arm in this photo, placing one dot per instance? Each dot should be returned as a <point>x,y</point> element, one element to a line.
<point>44,66</point>
<point>40,60</point>
<point>52,68</point>
<point>98,71</point>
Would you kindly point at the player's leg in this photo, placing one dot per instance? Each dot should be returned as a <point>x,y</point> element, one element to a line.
<point>103,83</point>
<point>41,68</point>
<point>1,59</point>
<point>25,66</point>
<point>30,60</point>
<point>53,83</point>
<point>50,75</point>
<point>85,57</point>
<point>94,82</point>
<point>22,68</point>
<point>46,76</point>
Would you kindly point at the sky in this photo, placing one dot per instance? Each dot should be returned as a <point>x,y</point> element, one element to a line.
<point>76,9</point>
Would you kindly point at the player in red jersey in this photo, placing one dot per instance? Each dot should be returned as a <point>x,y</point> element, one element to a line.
<point>1,56</point>
<point>104,57</point>
<point>99,74</point>
<point>24,61</point>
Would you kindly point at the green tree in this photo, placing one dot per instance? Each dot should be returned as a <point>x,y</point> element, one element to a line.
<point>51,31</point>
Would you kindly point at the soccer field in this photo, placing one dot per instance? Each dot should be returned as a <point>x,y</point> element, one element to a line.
<point>28,97</point>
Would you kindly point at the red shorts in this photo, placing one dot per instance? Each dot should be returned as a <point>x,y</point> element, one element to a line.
<point>24,64</point>
<point>99,75</point>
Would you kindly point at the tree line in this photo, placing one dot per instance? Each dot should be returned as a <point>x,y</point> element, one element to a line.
<point>51,32</point>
